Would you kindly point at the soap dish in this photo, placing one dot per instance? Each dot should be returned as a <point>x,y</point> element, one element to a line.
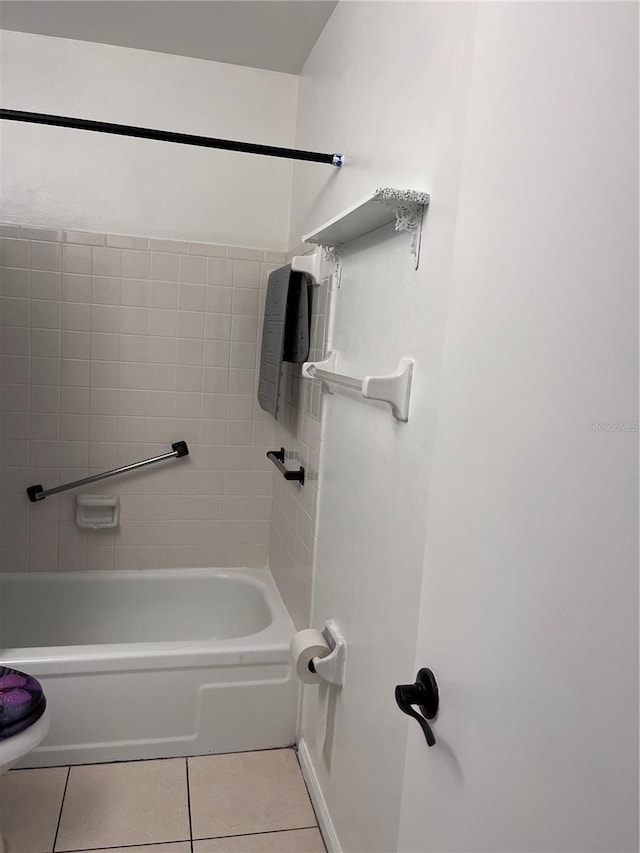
<point>96,512</point>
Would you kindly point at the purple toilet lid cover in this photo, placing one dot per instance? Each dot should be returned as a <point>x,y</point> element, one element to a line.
<point>22,702</point>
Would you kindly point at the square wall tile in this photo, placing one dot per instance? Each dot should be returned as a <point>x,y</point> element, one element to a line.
<point>193,269</point>
<point>45,285</point>
<point>112,805</point>
<point>245,301</point>
<point>45,371</point>
<point>14,312</point>
<point>135,264</point>
<point>105,290</point>
<point>76,259</point>
<point>75,344</point>
<point>75,316</point>
<point>76,288</point>
<point>14,283</point>
<point>191,297</point>
<point>246,274</point>
<point>162,322</point>
<point>105,260</point>
<point>45,314</point>
<point>134,292</point>
<point>46,256</point>
<point>244,328</point>
<point>134,321</point>
<point>218,299</point>
<point>248,792</point>
<point>14,253</point>
<point>219,271</point>
<point>165,267</point>
<point>190,324</point>
<point>14,341</point>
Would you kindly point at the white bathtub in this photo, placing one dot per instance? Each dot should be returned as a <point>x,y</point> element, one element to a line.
<point>152,664</point>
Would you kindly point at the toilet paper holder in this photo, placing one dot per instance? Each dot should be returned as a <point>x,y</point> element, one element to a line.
<point>331,667</point>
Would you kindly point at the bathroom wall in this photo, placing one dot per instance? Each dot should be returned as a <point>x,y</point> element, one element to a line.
<point>292,537</point>
<point>55,177</point>
<point>401,89</point>
<point>112,343</point>
<point>529,606</point>
<point>398,115</point>
<point>113,347</point>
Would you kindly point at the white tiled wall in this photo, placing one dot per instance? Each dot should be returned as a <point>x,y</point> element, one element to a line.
<point>293,519</point>
<point>113,347</point>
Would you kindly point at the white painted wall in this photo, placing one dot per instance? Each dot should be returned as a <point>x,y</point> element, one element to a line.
<point>400,120</point>
<point>57,177</point>
<point>541,287</point>
<point>529,609</point>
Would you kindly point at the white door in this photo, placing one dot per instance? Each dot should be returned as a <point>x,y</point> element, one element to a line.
<point>530,598</point>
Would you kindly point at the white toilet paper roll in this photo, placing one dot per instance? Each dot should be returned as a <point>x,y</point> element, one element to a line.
<point>305,646</point>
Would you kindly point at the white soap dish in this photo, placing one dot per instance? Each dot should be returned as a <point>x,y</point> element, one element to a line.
<point>95,512</point>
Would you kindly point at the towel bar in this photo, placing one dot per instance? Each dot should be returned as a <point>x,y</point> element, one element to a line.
<point>394,388</point>
<point>37,493</point>
<point>277,457</point>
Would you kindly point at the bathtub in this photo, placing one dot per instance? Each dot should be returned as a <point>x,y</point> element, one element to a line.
<point>152,664</point>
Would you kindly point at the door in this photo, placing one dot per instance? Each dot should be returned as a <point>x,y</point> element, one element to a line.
<point>529,600</point>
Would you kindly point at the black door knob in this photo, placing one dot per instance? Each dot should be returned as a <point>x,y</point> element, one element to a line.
<point>423,693</point>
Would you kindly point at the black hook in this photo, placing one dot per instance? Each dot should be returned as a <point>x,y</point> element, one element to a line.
<point>423,693</point>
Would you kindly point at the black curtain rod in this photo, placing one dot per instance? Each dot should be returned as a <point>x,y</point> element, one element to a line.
<point>170,136</point>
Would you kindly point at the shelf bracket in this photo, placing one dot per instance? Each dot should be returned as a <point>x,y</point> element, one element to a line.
<point>333,254</point>
<point>410,219</point>
<point>408,207</point>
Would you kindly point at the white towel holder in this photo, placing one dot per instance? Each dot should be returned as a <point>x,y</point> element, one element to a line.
<point>394,388</point>
<point>310,264</point>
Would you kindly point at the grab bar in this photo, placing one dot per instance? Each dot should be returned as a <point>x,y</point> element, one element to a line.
<point>37,493</point>
<point>277,457</point>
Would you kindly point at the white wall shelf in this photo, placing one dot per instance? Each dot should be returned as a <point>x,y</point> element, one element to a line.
<point>393,388</point>
<point>380,207</point>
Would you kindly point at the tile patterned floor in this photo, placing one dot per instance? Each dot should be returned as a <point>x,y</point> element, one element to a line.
<point>246,802</point>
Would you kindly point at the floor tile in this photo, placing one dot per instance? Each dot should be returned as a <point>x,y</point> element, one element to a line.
<point>294,841</point>
<point>112,805</point>
<point>30,803</point>
<point>174,847</point>
<point>248,792</point>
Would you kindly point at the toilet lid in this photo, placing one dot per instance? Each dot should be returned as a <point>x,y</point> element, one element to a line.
<point>22,702</point>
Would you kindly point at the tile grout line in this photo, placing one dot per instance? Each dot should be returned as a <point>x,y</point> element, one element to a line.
<point>186,764</point>
<point>125,846</point>
<point>160,758</point>
<point>64,794</point>
<point>261,832</point>
<point>186,840</point>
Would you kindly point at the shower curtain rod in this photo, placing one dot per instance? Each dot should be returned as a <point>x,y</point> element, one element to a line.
<point>170,136</point>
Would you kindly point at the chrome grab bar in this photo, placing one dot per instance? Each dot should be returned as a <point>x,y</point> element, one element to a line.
<point>37,493</point>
